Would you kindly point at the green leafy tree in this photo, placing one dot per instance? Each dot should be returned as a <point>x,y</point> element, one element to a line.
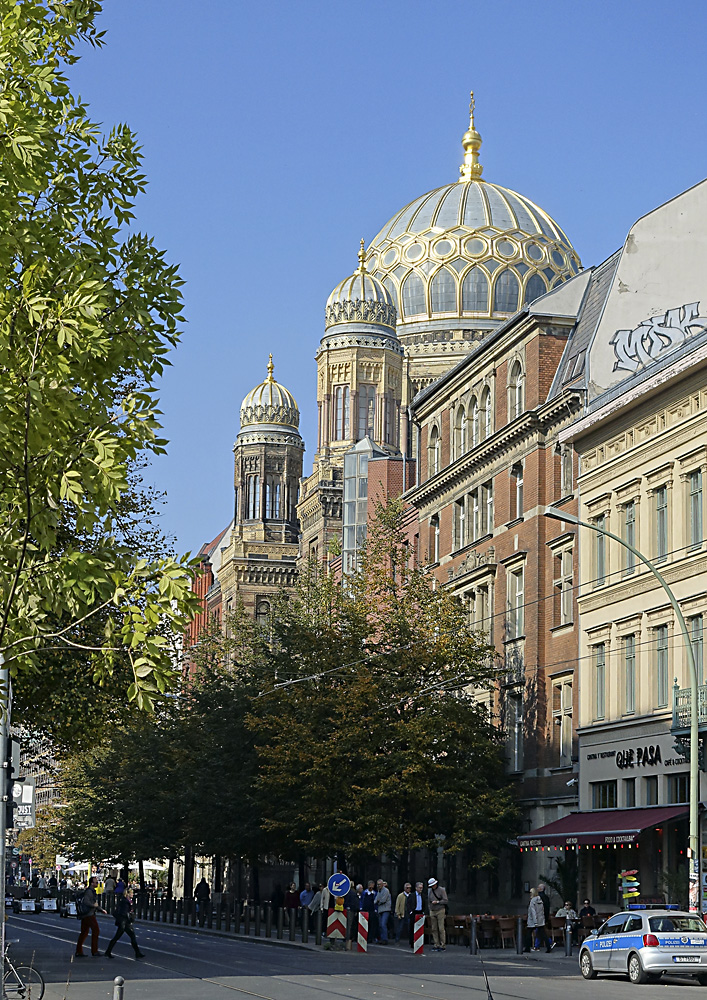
<point>44,841</point>
<point>370,733</point>
<point>88,312</point>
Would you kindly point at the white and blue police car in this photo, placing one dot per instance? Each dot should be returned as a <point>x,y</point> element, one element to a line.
<point>644,943</point>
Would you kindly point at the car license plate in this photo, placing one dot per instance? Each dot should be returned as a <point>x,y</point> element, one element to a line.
<point>691,959</point>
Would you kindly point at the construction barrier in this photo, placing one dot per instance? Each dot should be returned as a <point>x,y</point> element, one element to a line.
<point>418,940</point>
<point>336,924</point>
<point>363,932</point>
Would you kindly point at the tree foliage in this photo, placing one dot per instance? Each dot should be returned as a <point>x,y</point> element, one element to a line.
<point>88,312</point>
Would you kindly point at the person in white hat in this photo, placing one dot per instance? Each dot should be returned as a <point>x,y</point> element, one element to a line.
<point>437,898</point>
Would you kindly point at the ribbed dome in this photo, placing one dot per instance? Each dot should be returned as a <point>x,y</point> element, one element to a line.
<point>469,249</point>
<point>269,403</point>
<point>360,298</point>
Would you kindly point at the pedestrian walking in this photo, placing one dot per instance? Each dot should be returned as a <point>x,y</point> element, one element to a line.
<point>415,906</point>
<point>400,914</point>
<point>202,894</point>
<point>307,895</point>
<point>292,897</point>
<point>437,899</point>
<point>384,905</point>
<point>124,923</point>
<point>536,922</point>
<point>86,909</point>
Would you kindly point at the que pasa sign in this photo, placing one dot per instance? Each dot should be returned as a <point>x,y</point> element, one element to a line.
<point>648,755</point>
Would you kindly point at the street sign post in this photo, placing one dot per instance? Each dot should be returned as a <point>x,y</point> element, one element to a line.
<point>338,884</point>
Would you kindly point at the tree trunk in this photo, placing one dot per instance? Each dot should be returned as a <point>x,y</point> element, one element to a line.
<point>188,873</point>
<point>218,873</point>
<point>302,866</point>
<point>141,874</point>
<point>255,883</point>
<point>170,877</point>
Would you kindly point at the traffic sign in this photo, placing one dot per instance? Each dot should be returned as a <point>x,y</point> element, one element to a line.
<point>338,884</point>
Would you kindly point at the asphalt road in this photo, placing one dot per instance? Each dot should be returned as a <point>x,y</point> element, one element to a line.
<point>189,965</point>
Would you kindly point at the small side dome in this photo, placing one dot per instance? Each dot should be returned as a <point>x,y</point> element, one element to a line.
<point>361,298</point>
<point>269,403</point>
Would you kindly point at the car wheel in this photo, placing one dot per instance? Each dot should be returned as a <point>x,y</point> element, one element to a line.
<point>586,967</point>
<point>636,973</point>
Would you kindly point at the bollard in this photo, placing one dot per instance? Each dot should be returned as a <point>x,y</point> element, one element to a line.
<point>293,923</point>
<point>418,939</point>
<point>473,942</point>
<point>257,920</point>
<point>246,918</point>
<point>362,937</point>
<point>192,911</point>
<point>219,913</point>
<point>268,920</point>
<point>171,910</point>
<point>305,925</point>
<point>210,914</point>
<point>152,906</point>
<point>318,927</point>
<point>280,923</point>
<point>228,915</point>
<point>180,907</point>
<point>519,937</point>
<point>568,939</point>
<point>118,988</point>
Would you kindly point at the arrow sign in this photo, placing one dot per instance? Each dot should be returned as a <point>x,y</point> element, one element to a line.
<point>338,884</point>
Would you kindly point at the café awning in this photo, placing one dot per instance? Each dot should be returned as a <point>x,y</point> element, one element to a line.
<point>604,827</point>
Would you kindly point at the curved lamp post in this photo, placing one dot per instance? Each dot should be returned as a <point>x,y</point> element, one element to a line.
<point>694,727</point>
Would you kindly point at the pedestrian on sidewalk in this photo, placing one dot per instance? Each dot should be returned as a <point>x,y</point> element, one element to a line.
<point>202,894</point>
<point>124,923</point>
<point>87,908</point>
<point>400,913</point>
<point>437,898</point>
<point>415,906</point>
<point>384,904</point>
<point>536,921</point>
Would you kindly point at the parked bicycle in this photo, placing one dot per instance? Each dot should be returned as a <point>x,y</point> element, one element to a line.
<point>20,982</point>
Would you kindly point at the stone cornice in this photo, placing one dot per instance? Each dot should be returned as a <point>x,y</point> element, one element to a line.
<point>530,426</point>
<point>634,586</point>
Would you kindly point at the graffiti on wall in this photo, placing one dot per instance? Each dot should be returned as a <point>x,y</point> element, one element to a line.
<point>643,344</point>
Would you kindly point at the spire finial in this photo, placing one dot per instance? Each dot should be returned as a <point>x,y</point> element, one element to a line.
<point>471,169</point>
<point>271,369</point>
<point>362,256</point>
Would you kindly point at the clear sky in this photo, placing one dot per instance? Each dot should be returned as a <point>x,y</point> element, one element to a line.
<point>278,133</point>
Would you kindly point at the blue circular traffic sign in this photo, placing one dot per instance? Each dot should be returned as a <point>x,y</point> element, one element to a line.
<point>338,884</point>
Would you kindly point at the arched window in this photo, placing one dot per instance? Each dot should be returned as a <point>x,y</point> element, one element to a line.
<point>534,289</point>
<point>390,285</point>
<point>505,293</point>
<point>485,413</point>
<point>262,614</point>
<point>272,498</point>
<point>460,432</point>
<point>443,292</point>
<point>515,390</point>
<point>475,292</point>
<point>435,452</point>
<point>413,297</point>
<point>475,425</point>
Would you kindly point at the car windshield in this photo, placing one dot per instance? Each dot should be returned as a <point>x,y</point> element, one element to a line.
<point>666,924</point>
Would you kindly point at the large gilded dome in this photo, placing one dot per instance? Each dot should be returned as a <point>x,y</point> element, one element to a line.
<point>471,248</point>
<point>269,403</point>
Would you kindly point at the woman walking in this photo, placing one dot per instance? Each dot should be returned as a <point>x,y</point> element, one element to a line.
<point>124,923</point>
<point>536,920</point>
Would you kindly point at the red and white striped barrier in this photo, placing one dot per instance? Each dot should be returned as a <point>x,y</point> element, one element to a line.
<point>336,924</point>
<point>363,932</point>
<point>418,938</point>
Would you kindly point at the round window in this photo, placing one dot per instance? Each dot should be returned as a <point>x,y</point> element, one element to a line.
<point>414,252</point>
<point>443,247</point>
<point>506,248</point>
<point>558,258</point>
<point>534,251</point>
<point>389,257</point>
<point>475,247</point>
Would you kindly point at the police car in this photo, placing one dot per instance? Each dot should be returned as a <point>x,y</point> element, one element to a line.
<point>643,943</point>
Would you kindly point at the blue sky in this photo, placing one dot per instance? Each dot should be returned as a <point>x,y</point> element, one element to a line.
<point>277,134</point>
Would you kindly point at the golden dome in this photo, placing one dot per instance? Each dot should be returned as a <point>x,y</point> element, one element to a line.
<point>360,298</point>
<point>470,248</point>
<point>269,403</point>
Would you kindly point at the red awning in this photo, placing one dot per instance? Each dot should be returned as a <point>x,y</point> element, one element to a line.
<point>610,826</point>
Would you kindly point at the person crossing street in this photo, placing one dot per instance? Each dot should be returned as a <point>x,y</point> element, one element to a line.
<point>124,923</point>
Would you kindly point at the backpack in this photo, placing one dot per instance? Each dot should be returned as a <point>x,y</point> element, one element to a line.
<point>82,909</point>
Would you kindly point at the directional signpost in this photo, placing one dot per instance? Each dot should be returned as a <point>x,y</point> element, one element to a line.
<point>338,885</point>
<point>630,886</point>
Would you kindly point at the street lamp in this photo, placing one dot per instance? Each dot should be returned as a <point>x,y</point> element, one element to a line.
<point>694,729</point>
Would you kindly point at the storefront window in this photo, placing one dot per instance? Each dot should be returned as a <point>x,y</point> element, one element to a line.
<point>651,789</point>
<point>678,787</point>
<point>629,792</point>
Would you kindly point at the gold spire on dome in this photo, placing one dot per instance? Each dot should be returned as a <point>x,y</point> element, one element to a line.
<point>471,169</point>
<point>271,369</point>
<point>362,256</point>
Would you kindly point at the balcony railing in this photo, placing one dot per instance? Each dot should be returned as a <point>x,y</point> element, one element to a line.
<point>681,707</point>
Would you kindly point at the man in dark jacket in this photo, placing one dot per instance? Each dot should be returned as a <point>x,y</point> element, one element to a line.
<point>415,906</point>
<point>202,894</point>
<point>549,943</point>
<point>368,905</point>
<point>351,906</point>
<point>124,923</point>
